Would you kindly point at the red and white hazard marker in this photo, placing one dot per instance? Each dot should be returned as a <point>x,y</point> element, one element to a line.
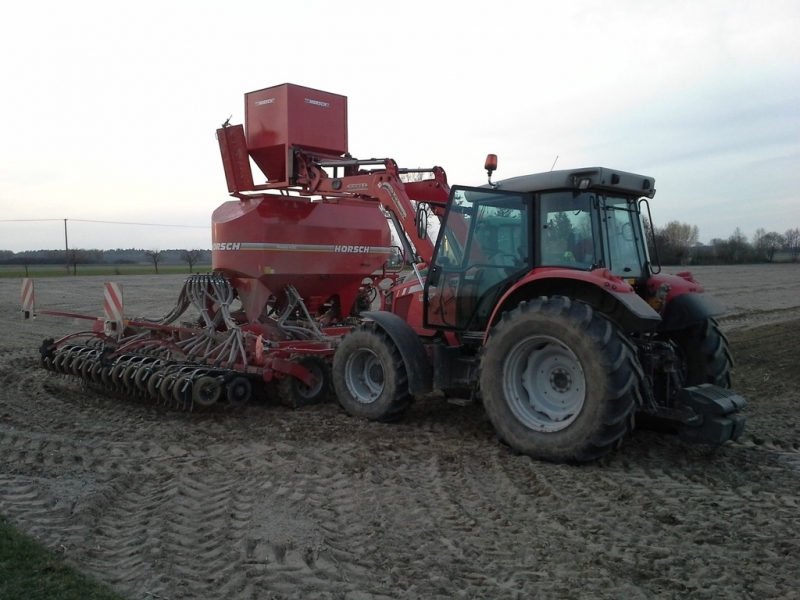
<point>28,310</point>
<point>112,304</point>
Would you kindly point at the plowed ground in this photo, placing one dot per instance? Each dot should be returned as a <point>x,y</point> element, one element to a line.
<point>265,502</point>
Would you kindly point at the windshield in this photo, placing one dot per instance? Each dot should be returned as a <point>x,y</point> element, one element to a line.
<point>587,230</point>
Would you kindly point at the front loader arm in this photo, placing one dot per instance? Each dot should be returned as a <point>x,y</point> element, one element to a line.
<point>385,187</point>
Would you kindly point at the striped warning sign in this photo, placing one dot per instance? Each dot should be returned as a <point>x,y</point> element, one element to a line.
<point>27,299</point>
<point>112,302</point>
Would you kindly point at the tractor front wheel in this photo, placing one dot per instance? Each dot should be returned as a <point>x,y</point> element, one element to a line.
<point>559,381</point>
<point>369,376</point>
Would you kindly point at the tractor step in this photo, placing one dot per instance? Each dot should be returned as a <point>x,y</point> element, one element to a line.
<point>459,401</point>
<point>712,414</point>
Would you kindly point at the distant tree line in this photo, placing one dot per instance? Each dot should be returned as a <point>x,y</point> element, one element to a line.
<point>678,244</point>
<point>79,256</point>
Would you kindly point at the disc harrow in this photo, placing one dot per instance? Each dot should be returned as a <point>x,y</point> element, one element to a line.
<point>218,358</point>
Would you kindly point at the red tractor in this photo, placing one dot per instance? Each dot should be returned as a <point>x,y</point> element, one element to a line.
<point>538,297</point>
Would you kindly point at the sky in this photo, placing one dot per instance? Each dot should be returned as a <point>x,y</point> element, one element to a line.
<point>110,108</point>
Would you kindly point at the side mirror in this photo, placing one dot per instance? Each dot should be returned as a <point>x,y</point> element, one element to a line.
<point>422,221</point>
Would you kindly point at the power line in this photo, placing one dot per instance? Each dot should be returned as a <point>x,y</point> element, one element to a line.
<point>145,224</point>
<point>107,223</point>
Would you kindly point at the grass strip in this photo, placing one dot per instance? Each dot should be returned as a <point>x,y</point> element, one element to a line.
<point>29,571</point>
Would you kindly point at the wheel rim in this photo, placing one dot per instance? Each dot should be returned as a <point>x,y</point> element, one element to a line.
<point>364,376</point>
<point>544,383</point>
<point>305,391</point>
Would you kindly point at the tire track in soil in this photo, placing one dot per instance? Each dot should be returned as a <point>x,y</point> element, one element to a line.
<point>272,503</point>
<point>663,501</point>
<point>758,318</point>
<point>460,515</point>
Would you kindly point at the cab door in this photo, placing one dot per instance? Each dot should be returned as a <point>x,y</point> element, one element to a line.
<point>483,246</point>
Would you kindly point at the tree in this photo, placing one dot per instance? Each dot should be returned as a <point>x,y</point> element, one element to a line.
<point>74,257</point>
<point>739,248</point>
<point>793,242</point>
<point>155,256</point>
<point>757,237</point>
<point>25,261</point>
<point>770,243</point>
<point>767,244</point>
<point>675,240</point>
<point>191,257</point>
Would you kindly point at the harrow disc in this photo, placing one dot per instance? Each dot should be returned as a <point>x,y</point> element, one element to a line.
<point>128,375</point>
<point>105,376</point>
<point>117,374</point>
<point>165,389</point>
<point>206,391</point>
<point>181,389</point>
<point>140,378</point>
<point>58,362</point>
<point>239,391</point>
<point>153,382</point>
<point>86,369</point>
<point>77,365</point>
<point>96,372</point>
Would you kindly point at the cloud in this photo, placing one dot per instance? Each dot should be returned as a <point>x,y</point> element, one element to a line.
<point>112,108</point>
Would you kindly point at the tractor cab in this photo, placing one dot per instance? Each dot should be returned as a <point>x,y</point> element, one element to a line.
<point>493,236</point>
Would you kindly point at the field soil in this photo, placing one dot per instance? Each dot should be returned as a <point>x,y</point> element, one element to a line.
<point>266,502</point>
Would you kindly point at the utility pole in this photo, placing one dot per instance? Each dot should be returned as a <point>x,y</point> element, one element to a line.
<point>66,247</point>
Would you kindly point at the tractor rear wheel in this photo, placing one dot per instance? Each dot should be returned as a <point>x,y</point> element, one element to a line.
<point>559,381</point>
<point>370,377</point>
<point>704,354</point>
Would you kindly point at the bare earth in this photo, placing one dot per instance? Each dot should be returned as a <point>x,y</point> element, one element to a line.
<point>264,502</point>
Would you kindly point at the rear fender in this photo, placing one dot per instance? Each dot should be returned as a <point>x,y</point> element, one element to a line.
<point>689,309</point>
<point>686,302</point>
<point>412,351</point>
<point>610,295</point>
